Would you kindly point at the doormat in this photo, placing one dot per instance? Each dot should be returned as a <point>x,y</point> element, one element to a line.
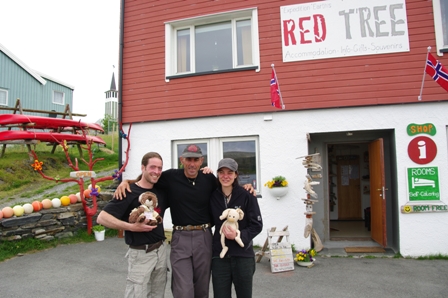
<point>366,249</point>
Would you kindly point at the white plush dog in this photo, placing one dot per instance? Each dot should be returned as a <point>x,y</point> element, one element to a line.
<point>232,216</point>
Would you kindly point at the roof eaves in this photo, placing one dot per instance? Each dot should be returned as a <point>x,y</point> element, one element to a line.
<point>55,80</point>
<point>22,64</point>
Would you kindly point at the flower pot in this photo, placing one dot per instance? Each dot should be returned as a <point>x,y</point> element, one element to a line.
<point>99,236</point>
<point>304,264</point>
<point>278,192</point>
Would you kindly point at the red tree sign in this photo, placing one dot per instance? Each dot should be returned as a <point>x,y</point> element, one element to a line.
<point>80,176</point>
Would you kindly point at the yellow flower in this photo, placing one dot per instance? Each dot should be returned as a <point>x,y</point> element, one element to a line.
<point>305,255</point>
<point>63,145</point>
<point>277,181</point>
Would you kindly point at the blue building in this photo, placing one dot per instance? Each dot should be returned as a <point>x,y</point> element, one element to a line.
<point>38,93</point>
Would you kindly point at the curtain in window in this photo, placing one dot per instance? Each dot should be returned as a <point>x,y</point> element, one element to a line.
<point>444,11</point>
<point>244,42</point>
<point>183,55</point>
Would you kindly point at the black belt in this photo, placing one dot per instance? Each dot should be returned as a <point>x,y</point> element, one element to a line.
<point>147,247</point>
<point>191,227</point>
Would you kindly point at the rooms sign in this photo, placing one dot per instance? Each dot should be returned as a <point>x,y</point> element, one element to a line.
<point>423,184</point>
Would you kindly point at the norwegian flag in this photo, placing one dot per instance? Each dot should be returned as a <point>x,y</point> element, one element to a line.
<point>275,93</point>
<point>436,70</point>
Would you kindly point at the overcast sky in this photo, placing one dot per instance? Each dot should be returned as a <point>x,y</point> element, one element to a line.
<point>74,41</point>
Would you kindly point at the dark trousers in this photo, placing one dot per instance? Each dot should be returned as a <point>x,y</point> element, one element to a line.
<point>236,270</point>
<point>191,255</point>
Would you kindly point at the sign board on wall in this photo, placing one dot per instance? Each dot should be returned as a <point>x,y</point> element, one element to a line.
<point>331,29</point>
<point>423,184</point>
<point>424,208</point>
<point>422,150</point>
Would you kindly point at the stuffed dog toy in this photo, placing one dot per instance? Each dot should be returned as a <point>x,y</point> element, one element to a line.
<point>146,210</point>
<point>231,217</point>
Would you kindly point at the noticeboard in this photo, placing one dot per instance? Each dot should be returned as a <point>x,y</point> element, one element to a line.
<point>281,253</point>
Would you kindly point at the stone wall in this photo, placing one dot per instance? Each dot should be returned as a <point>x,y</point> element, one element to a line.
<point>48,224</point>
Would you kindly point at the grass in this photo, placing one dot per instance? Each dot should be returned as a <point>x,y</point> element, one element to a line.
<point>10,249</point>
<point>18,178</point>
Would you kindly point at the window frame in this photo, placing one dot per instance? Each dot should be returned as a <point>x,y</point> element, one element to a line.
<point>6,97</point>
<point>172,27</point>
<point>215,153</point>
<point>63,97</point>
<point>438,26</point>
<point>176,154</point>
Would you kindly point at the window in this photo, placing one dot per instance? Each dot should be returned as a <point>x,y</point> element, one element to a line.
<point>440,8</point>
<point>181,146</point>
<point>58,97</point>
<point>244,153</point>
<point>3,97</point>
<point>243,149</point>
<point>214,43</point>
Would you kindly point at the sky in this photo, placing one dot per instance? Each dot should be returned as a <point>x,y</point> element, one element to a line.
<point>73,41</point>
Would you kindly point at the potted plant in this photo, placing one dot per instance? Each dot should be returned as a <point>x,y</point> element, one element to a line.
<point>99,231</point>
<point>305,257</point>
<point>278,186</point>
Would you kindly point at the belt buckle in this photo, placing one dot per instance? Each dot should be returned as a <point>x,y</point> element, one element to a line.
<point>189,228</point>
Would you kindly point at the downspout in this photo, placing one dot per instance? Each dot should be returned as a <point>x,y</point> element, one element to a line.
<point>120,84</point>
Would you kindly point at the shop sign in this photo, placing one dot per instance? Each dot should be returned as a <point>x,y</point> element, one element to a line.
<point>424,208</point>
<point>332,29</point>
<point>423,184</point>
<point>427,128</point>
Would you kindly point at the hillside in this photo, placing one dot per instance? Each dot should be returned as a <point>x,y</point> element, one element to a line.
<point>20,183</point>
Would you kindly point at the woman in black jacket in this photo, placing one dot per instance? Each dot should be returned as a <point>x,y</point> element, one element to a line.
<point>238,264</point>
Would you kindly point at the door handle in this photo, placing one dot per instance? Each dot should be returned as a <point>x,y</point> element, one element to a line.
<point>383,191</point>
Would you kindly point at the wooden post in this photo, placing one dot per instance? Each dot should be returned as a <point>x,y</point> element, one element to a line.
<point>263,249</point>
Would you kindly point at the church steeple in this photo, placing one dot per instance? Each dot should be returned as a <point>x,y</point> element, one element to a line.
<point>112,84</point>
<point>111,106</point>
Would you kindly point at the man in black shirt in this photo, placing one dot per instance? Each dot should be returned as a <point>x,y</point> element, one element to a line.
<point>188,191</point>
<point>147,263</point>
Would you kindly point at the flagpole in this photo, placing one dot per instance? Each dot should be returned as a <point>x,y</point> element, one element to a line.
<point>278,85</point>
<point>424,73</point>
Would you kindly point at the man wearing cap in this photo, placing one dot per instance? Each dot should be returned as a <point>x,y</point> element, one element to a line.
<point>189,191</point>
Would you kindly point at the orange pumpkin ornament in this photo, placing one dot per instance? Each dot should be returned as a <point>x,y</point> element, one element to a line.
<point>46,204</point>
<point>7,212</point>
<point>73,199</point>
<point>87,193</point>
<point>37,206</point>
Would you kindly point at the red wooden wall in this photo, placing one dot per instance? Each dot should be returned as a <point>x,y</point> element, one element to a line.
<point>339,82</point>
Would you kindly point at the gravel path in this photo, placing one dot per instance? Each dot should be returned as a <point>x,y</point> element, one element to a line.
<point>57,188</point>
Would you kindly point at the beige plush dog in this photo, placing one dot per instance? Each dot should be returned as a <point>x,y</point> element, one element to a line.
<point>231,216</point>
<point>148,201</point>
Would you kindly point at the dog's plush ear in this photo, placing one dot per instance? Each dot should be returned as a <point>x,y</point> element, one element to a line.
<point>241,213</point>
<point>224,214</point>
